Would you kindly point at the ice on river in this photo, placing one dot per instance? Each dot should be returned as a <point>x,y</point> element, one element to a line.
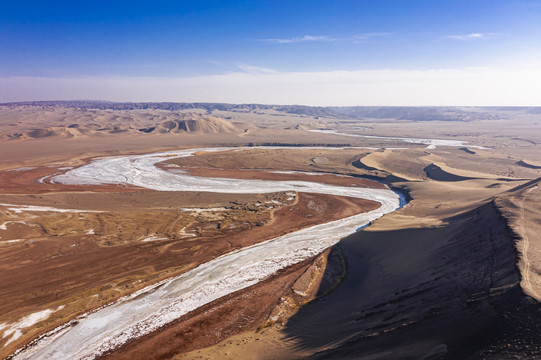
<point>148,310</point>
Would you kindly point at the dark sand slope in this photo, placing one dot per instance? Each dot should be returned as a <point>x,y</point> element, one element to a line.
<point>434,172</point>
<point>449,292</point>
<point>529,166</point>
<point>467,151</point>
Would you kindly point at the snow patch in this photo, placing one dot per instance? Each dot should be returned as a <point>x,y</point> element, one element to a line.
<point>10,241</point>
<point>154,238</point>
<point>21,208</point>
<point>199,210</point>
<point>182,232</point>
<point>14,331</point>
<point>4,225</point>
<point>26,168</point>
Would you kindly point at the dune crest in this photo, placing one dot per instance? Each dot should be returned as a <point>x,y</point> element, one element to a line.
<point>205,125</point>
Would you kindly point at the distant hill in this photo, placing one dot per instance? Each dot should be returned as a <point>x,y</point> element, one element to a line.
<point>24,122</point>
<point>205,125</point>
<point>414,113</point>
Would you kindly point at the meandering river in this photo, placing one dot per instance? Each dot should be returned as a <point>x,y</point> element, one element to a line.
<point>149,309</point>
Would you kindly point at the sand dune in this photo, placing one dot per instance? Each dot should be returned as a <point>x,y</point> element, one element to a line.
<point>205,125</point>
<point>440,293</point>
<point>73,123</point>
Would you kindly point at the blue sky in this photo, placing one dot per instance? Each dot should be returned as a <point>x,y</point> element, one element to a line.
<point>61,44</point>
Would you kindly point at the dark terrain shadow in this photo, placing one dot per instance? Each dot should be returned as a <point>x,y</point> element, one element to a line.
<point>466,150</point>
<point>434,172</point>
<point>389,178</point>
<point>529,166</point>
<point>449,292</point>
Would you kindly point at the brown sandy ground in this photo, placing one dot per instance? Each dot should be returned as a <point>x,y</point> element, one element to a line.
<point>437,279</point>
<point>266,175</point>
<point>297,159</point>
<point>84,260</point>
<point>117,218</point>
<point>63,265</point>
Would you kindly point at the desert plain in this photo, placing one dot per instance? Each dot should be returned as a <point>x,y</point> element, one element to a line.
<point>446,265</point>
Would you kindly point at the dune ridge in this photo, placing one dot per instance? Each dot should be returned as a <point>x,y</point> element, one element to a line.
<point>74,123</point>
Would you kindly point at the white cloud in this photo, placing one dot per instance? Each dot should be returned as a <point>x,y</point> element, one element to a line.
<point>473,36</point>
<point>252,69</point>
<point>323,38</point>
<point>472,86</point>
<point>305,38</point>
<point>359,38</point>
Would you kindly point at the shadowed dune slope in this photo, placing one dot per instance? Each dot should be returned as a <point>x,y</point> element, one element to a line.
<point>434,172</point>
<point>528,165</point>
<point>447,292</point>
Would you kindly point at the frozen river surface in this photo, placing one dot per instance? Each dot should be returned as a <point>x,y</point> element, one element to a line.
<point>431,143</point>
<point>151,308</point>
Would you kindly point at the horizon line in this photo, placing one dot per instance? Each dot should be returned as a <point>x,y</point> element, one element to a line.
<point>53,102</point>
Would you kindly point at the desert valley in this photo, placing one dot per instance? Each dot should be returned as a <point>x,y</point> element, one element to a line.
<point>221,231</point>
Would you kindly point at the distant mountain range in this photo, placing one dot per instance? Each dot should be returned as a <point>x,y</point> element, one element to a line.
<point>414,113</point>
